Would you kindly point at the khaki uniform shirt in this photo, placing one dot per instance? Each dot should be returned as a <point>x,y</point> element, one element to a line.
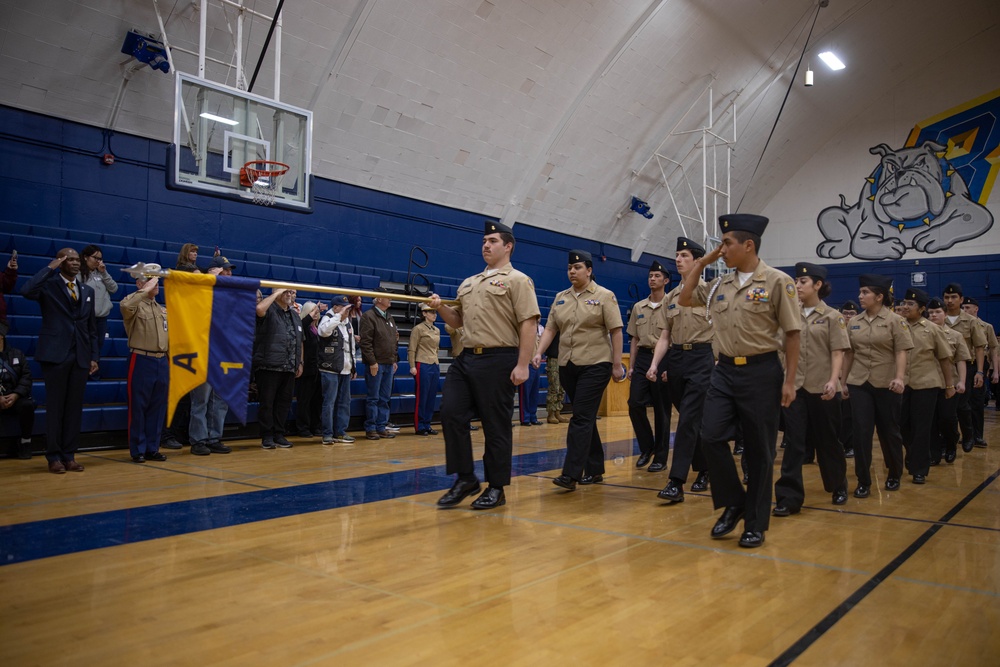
<point>960,351</point>
<point>971,329</point>
<point>823,331</point>
<point>875,341</point>
<point>493,307</point>
<point>456,340</point>
<point>647,321</point>
<point>145,323</point>
<point>584,322</point>
<point>686,324</point>
<point>991,337</point>
<point>425,339</point>
<point>747,318</point>
<point>930,345</point>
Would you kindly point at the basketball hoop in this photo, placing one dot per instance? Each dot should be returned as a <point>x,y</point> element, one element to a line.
<point>263,178</point>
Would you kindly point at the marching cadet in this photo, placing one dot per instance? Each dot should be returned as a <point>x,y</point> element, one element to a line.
<point>498,312</point>
<point>991,356</point>
<point>589,324</point>
<point>814,415</point>
<point>647,320</point>
<point>687,345</point>
<point>875,368</point>
<point>975,340</point>
<point>846,431</point>
<point>928,374</point>
<point>748,385</point>
<point>945,442</point>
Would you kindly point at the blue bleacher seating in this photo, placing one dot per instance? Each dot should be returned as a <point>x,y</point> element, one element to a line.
<point>326,266</point>
<point>49,232</point>
<point>283,260</point>
<point>303,262</point>
<point>284,272</point>
<point>32,245</point>
<point>85,238</point>
<point>258,257</point>
<point>304,275</point>
<point>115,254</point>
<point>25,325</point>
<point>254,269</point>
<point>369,282</point>
<point>115,239</point>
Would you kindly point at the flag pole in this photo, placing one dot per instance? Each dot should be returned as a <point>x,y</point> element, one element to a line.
<point>142,269</point>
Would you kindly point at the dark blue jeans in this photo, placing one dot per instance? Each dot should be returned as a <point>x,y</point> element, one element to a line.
<point>379,391</point>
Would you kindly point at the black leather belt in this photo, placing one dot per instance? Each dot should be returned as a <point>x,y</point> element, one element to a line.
<point>691,346</point>
<point>490,350</point>
<point>746,361</point>
<point>643,348</point>
<point>147,353</point>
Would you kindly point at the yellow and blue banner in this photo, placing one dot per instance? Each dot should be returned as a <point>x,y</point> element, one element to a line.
<point>212,320</point>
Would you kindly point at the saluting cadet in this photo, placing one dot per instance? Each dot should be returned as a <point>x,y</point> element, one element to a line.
<point>148,369</point>
<point>846,430</point>
<point>928,374</point>
<point>647,320</point>
<point>814,415</point>
<point>748,385</point>
<point>498,313</point>
<point>945,441</point>
<point>875,368</point>
<point>990,361</point>
<point>422,355</point>
<point>589,324</point>
<point>687,345</point>
<point>975,340</point>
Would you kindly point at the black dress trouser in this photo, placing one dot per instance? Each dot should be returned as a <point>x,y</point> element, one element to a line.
<point>584,450</point>
<point>642,394</point>
<point>689,373</point>
<point>750,396</point>
<point>964,404</point>
<point>917,426</point>
<point>876,409</point>
<point>810,419</point>
<point>946,427</point>
<point>479,385</point>
<point>275,390</point>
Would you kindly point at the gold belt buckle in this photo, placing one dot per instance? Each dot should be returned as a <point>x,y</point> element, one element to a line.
<point>687,347</point>
<point>740,361</point>
<point>477,350</point>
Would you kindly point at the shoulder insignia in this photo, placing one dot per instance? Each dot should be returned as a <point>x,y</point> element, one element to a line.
<point>790,289</point>
<point>842,323</point>
<point>904,325</point>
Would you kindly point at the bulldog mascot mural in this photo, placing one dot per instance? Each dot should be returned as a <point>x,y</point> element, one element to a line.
<point>913,199</point>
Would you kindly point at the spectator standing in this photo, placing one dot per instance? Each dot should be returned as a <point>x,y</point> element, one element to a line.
<point>379,355</point>
<point>94,273</point>
<point>15,391</point>
<point>187,258</point>
<point>336,369</point>
<point>308,390</point>
<point>278,360</point>
<point>425,339</point>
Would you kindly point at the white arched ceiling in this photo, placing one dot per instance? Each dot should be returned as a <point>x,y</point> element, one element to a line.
<point>541,111</point>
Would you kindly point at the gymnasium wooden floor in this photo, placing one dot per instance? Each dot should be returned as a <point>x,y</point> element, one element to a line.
<point>337,555</point>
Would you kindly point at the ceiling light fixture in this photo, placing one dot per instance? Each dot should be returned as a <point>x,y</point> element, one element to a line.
<point>809,76</point>
<point>831,60</point>
<point>219,119</point>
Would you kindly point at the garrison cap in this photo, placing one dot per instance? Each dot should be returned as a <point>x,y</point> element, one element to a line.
<point>970,301</point>
<point>491,227</point>
<point>580,256</point>
<point>875,280</point>
<point>953,288</point>
<point>656,266</point>
<point>696,249</point>
<point>918,295</point>
<point>743,222</point>
<point>849,305</point>
<point>935,304</point>
<point>812,270</point>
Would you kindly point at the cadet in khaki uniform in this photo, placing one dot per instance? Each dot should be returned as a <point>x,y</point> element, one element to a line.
<point>748,385</point>
<point>875,368</point>
<point>990,361</point>
<point>848,310</point>
<point>148,370</point>
<point>814,415</point>
<point>498,312</point>
<point>687,345</point>
<point>422,355</point>
<point>928,374</point>
<point>589,324</point>
<point>975,340</point>
<point>945,441</point>
<point>647,320</point>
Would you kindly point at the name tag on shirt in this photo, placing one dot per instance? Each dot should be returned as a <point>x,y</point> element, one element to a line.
<point>560,302</point>
<point>855,327</point>
<point>721,297</point>
<point>671,306</point>
<point>16,361</point>
<point>639,317</point>
<point>820,321</point>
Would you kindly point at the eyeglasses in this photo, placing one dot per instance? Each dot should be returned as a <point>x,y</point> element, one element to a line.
<point>99,258</point>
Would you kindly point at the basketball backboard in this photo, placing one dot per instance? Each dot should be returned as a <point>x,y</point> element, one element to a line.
<point>218,129</point>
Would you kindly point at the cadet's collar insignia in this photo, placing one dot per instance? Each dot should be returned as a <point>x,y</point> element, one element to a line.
<point>758,294</point>
<point>790,289</point>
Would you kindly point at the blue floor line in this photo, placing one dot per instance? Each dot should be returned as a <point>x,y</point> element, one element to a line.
<point>24,542</point>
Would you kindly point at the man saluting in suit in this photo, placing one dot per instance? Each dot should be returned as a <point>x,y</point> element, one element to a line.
<point>67,350</point>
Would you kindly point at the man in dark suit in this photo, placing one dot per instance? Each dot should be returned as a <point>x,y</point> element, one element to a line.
<point>67,350</point>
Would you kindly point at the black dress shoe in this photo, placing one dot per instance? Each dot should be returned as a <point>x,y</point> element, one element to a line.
<point>738,448</point>
<point>919,479</point>
<point>934,462</point>
<point>781,509</point>
<point>459,490</point>
<point>657,467</point>
<point>727,522</point>
<point>591,479</point>
<point>155,456</point>
<point>892,484</point>
<point>862,491</point>
<point>217,447</point>
<point>139,459</point>
<point>949,456</point>
<point>171,444</point>
<point>490,498</point>
<point>700,482</point>
<point>431,431</point>
<point>848,453</point>
<point>979,442</point>
<point>752,539</point>
<point>840,497</point>
<point>566,482</point>
<point>673,493</point>
<point>968,445</point>
<point>525,423</point>
<point>643,460</point>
